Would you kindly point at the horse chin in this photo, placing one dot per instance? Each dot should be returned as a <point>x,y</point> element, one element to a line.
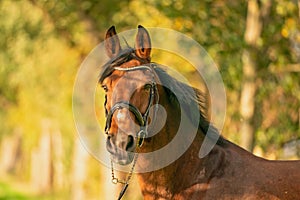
<point>122,158</point>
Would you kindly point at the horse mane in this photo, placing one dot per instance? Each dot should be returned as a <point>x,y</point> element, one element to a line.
<point>192,100</point>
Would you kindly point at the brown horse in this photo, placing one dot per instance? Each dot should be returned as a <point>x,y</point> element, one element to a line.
<point>132,85</point>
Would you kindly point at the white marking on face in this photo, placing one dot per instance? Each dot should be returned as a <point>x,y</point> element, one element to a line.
<point>120,115</point>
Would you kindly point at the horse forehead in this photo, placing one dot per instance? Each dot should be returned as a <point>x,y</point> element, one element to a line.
<point>133,79</point>
<point>125,84</point>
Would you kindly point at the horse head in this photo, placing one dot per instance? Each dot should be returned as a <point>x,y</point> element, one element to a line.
<point>130,88</point>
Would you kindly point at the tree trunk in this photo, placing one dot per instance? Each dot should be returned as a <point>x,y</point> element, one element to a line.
<point>247,103</point>
<point>79,173</point>
<point>11,152</point>
<point>57,157</point>
<point>41,161</point>
<point>299,8</point>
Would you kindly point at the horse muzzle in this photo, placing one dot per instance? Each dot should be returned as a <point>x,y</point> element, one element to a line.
<point>122,149</point>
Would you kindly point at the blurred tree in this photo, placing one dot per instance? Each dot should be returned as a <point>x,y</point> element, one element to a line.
<point>37,71</point>
<point>277,101</point>
<point>254,25</point>
<point>221,27</point>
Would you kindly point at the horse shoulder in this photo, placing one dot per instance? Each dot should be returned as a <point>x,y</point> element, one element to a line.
<point>233,173</point>
<point>203,191</point>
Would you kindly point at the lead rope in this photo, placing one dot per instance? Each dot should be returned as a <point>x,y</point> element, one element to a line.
<point>140,139</point>
<point>124,182</point>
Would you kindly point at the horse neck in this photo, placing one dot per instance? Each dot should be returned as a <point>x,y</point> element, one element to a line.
<point>165,182</point>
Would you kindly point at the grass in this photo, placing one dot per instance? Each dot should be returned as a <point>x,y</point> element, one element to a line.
<point>9,191</point>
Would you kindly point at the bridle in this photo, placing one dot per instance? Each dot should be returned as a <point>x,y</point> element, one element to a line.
<point>142,120</point>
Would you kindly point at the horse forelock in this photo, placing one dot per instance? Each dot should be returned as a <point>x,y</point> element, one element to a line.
<point>124,56</point>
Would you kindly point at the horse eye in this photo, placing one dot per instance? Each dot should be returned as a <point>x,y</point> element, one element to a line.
<point>147,86</point>
<point>105,88</point>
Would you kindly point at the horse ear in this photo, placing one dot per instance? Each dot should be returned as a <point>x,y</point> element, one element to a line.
<point>112,42</point>
<point>143,43</point>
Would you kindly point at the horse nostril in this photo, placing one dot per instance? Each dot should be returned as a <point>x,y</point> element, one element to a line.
<point>109,140</point>
<point>109,136</point>
<point>130,143</point>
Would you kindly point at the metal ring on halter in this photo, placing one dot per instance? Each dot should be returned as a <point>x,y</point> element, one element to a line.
<point>141,137</point>
<point>115,180</point>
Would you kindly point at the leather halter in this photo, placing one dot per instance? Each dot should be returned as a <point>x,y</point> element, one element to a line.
<point>141,118</point>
